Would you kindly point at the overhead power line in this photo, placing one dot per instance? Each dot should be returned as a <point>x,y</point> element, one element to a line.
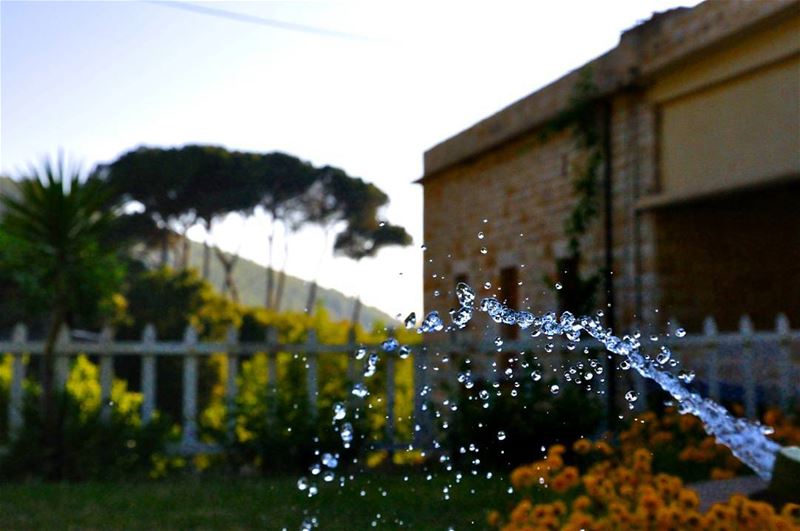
<point>253,19</point>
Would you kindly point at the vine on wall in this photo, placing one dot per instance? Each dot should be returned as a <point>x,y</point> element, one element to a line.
<point>583,118</point>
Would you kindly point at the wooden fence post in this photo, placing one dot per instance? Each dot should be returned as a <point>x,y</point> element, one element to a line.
<point>61,362</point>
<point>189,438</point>
<point>106,373</point>
<point>390,395</point>
<point>271,337</point>
<point>750,379</point>
<point>148,373</point>
<point>421,397</point>
<point>639,384</point>
<point>310,348</point>
<point>712,355</point>
<point>231,340</point>
<point>786,367</point>
<point>19,336</point>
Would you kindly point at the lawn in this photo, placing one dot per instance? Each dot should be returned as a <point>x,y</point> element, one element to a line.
<point>385,501</point>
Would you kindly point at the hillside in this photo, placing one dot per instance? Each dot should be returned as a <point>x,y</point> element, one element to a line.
<point>251,281</point>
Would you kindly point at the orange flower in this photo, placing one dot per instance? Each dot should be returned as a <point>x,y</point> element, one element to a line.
<point>581,503</point>
<point>661,438</point>
<point>604,448</point>
<point>556,450</point>
<point>521,512</point>
<point>523,477</point>
<point>721,473</point>
<point>559,484</point>
<point>791,511</point>
<point>688,499</point>
<point>582,446</point>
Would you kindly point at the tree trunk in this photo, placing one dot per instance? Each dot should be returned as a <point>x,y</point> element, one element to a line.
<point>51,436</point>
<point>270,272</point>
<point>165,249</point>
<point>229,284</point>
<point>311,301</point>
<point>356,312</point>
<point>186,252</point>
<point>282,276</point>
<point>312,297</point>
<point>207,253</point>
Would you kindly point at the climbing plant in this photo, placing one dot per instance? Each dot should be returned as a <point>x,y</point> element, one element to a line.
<point>582,118</point>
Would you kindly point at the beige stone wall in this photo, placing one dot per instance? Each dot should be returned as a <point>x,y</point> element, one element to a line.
<point>670,258</point>
<point>524,193</point>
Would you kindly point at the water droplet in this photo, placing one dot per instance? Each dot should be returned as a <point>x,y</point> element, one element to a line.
<point>423,247</point>
<point>501,436</point>
<point>411,321</point>
<point>461,316</point>
<point>465,294</point>
<point>536,375</point>
<point>631,396</point>
<point>484,394</point>
<point>663,356</point>
<point>302,483</point>
<point>686,376</point>
<point>346,433</point>
<point>404,352</point>
<point>360,353</point>
<point>680,332</point>
<point>431,323</point>
<point>315,469</point>
<point>329,460</point>
<point>484,250</point>
<point>339,411</point>
<point>555,389</point>
<point>328,476</point>
<point>480,235</point>
<point>487,285</point>
<point>558,285</point>
<point>390,345</point>
<point>498,341</point>
<point>360,390</point>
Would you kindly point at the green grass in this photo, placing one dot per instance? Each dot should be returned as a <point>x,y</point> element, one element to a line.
<point>235,503</point>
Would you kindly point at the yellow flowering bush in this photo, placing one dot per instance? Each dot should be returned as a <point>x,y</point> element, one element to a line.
<point>614,493</point>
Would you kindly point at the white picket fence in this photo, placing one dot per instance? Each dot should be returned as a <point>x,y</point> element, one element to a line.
<point>763,365</point>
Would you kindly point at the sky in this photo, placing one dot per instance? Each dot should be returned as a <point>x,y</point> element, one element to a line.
<point>385,82</point>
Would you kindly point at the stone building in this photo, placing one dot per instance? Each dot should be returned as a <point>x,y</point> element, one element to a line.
<point>699,190</point>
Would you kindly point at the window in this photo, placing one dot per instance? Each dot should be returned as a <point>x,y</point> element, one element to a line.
<point>509,289</point>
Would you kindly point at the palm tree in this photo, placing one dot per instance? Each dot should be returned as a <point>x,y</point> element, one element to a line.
<point>61,228</point>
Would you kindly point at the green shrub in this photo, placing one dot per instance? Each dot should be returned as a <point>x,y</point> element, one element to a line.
<point>533,418</point>
<point>88,443</point>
